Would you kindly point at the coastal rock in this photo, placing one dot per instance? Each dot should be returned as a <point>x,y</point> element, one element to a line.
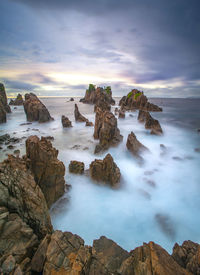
<point>105,170</point>
<point>153,125</point>
<point>76,167</point>
<point>121,114</point>
<point>2,113</point>
<point>137,100</point>
<point>89,123</point>
<point>66,123</point>
<point>134,146</point>
<point>102,103</point>
<point>18,101</point>
<point>142,116</point>
<point>71,99</point>
<point>48,171</point>
<point>93,95</point>
<point>3,99</point>
<point>20,194</point>
<point>78,116</point>
<point>106,130</point>
<point>116,111</point>
<point>35,110</point>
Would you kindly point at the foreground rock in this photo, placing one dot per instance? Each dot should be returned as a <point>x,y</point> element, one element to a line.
<point>3,99</point>
<point>18,101</point>
<point>106,130</point>
<point>35,110</point>
<point>93,95</point>
<point>137,100</point>
<point>48,171</point>
<point>78,116</point>
<point>76,167</point>
<point>66,123</point>
<point>134,146</point>
<point>105,171</point>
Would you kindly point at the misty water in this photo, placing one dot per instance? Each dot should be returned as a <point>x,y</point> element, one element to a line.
<point>158,200</point>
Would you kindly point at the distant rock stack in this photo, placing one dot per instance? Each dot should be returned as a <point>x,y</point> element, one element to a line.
<point>18,101</point>
<point>4,107</point>
<point>35,110</point>
<point>150,122</point>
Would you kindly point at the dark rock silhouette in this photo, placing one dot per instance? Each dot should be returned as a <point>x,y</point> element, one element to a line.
<point>17,101</point>
<point>4,107</point>
<point>134,146</point>
<point>66,123</point>
<point>76,167</point>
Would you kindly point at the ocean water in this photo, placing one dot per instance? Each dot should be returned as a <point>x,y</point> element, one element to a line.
<point>158,200</point>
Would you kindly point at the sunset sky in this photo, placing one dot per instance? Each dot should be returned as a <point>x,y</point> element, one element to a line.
<point>58,47</point>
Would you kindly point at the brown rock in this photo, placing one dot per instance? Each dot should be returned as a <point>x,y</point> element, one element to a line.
<point>48,171</point>
<point>153,124</point>
<point>3,99</point>
<point>142,116</point>
<point>121,114</point>
<point>35,110</point>
<point>76,167</point>
<point>2,113</point>
<point>66,122</point>
<point>134,146</point>
<point>18,101</point>
<point>78,116</point>
<point>102,103</point>
<point>71,99</point>
<point>116,111</point>
<point>89,123</point>
<point>105,170</point>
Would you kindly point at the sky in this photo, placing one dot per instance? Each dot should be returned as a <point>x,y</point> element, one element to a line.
<point>58,47</point>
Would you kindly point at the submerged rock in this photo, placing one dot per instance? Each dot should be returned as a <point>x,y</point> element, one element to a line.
<point>17,101</point>
<point>48,171</point>
<point>66,123</point>
<point>134,146</point>
<point>35,110</point>
<point>105,170</point>
<point>78,116</point>
<point>76,167</point>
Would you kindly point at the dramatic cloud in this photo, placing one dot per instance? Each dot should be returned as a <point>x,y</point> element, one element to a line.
<point>153,45</point>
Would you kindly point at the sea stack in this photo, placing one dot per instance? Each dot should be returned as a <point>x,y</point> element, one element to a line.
<point>4,107</point>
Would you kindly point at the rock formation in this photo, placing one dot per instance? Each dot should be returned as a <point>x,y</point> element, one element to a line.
<point>142,116</point>
<point>150,122</point>
<point>93,95</point>
<point>3,99</point>
<point>106,130</point>
<point>102,103</point>
<point>137,100</point>
<point>134,146</point>
<point>35,110</point>
<point>2,113</point>
<point>121,114</point>
<point>71,99</point>
<point>105,171</point>
<point>66,123</point>
<point>76,167</point>
<point>78,116</point>
<point>18,101</point>
<point>48,171</point>
<point>89,123</point>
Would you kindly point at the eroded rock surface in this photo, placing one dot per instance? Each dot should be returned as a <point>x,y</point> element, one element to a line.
<point>134,146</point>
<point>3,99</point>
<point>66,123</point>
<point>17,101</point>
<point>78,116</point>
<point>76,167</point>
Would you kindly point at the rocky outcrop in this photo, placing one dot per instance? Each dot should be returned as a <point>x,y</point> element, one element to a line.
<point>188,256</point>
<point>3,99</point>
<point>17,101</point>
<point>66,123</point>
<point>71,99</point>
<point>137,100</point>
<point>105,171</point>
<point>93,95</point>
<point>121,114</point>
<point>48,171</point>
<point>20,194</point>
<point>102,103</point>
<point>153,125</point>
<point>2,113</point>
<point>78,116</point>
<point>35,110</point>
<point>76,167</point>
<point>142,116</point>
<point>134,146</point>
<point>106,130</point>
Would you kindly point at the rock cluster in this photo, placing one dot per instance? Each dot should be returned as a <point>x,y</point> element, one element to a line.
<point>150,122</point>
<point>66,123</point>
<point>78,116</point>
<point>137,100</point>
<point>76,167</point>
<point>17,101</point>
<point>134,146</point>
<point>48,171</point>
<point>35,110</point>
<point>93,95</point>
<point>106,130</point>
<point>105,171</point>
<point>4,107</point>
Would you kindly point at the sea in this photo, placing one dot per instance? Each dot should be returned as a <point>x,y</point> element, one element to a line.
<point>158,200</point>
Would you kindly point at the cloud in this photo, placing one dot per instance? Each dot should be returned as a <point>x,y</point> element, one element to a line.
<point>18,85</point>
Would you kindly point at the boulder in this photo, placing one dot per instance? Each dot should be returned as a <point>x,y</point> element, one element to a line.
<point>76,167</point>
<point>18,101</point>
<point>48,171</point>
<point>134,146</point>
<point>78,116</point>
<point>89,123</point>
<point>153,125</point>
<point>105,171</point>
<point>66,123</point>
<point>121,114</point>
<point>3,99</point>
<point>35,110</point>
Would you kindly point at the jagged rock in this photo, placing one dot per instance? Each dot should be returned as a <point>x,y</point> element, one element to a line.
<point>89,123</point>
<point>137,100</point>
<point>188,256</point>
<point>35,110</point>
<point>66,122</point>
<point>3,99</point>
<point>151,259</point>
<point>106,130</point>
<point>153,125</point>
<point>48,171</point>
<point>102,103</point>
<point>2,114</point>
<point>20,194</point>
<point>134,146</point>
<point>18,101</point>
<point>121,114</point>
<point>76,167</point>
<point>105,170</point>
<point>93,95</point>
<point>78,116</point>
<point>142,116</point>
